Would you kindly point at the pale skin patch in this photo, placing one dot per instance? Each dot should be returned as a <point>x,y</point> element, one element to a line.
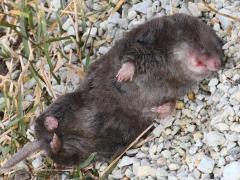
<point>51,123</point>
<point>164,110</point>
<point>126,72</point>
<point>55,144</point>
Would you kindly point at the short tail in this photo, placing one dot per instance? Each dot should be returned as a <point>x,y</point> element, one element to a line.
<point>22,154</point>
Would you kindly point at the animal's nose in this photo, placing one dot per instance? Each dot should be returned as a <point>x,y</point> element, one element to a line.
<point>213,64</point>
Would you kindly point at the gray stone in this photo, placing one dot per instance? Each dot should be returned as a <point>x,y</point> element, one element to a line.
<point>158,130</point>
<point>123,23</point>
<point>117,174</point>
<point>175,3</point>
<point>131,14</point>
<point>56,4</point>
<point>113,18</point>
<point>193,8</point>
<point>225,21</point>
<point>142,6</point>
<point>214,138</point>
<point>235,127</point>
<point>103,49</point>
<point>213,82</point>
<point>231,171</point>
<point>70,46</point>
<point>36,163</point>
<point>173,167</point>
<point>145,162</point>
<point>67,24</point>
<point>125,161</point>
<point>206,165</point>
<point>160,173</point>
<point>146,171</point>
<point>71,31</point>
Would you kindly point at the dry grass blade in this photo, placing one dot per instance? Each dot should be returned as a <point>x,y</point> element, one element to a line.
<point>114,163</point>
<point>119,4</point>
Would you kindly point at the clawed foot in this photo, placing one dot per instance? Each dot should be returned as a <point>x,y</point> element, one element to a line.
<point>55,144</point>
<point>164,110</point>
<point>51,123</point>
<point>126,72</point>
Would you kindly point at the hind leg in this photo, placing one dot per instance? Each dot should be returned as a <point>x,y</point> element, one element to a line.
<point>51,123</point>
<point>165,109</point>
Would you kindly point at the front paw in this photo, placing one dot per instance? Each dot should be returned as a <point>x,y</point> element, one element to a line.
<point>126,72</point>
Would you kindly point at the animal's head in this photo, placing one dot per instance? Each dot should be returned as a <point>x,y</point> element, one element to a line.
<point>197,49</point>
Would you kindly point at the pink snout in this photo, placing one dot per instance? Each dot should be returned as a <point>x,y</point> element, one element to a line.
<point>213,64</point>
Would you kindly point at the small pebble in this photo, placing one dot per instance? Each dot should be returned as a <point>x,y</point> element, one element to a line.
<point>206,165</point>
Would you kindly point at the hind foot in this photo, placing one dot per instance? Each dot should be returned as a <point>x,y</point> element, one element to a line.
<point>51,123</point>
<point>164,110</point>
<point>55,144</point>
<point>126,72</point>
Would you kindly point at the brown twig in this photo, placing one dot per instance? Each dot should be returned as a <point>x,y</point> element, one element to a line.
<point>114,162</point>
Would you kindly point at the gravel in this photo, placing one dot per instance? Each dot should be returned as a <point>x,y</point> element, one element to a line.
<point>201,140</point>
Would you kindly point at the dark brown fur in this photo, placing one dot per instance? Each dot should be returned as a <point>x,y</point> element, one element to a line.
<point>104,115</point>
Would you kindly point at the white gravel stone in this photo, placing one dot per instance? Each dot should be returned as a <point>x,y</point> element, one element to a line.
<point>145,162</point>
<point>158,130</point>
<point>225,22</point>
<point>175,3</point>
<point>173,167</point>
<point>214,138</point>
<point>71,31</point>
<point>103,49</point>
<point>166,154</point>
<point>132,152</point>
<point>213,82</point>
<point>30,83</point>
<point>142,6</point>
<point>193,8</point>
<point>160,173</point>
<point>123,23</point>
<point>193,150</point>
<point>196,173</point>
<point>125,161</point>
<point>129,173</point>
<point>113,18</point>
<point>231,171</point>
<point>222,126</point>
<point>172,177</point>
<point>235,127</point>
<point>117,174</point>
<point>70,46</point>
<point>131,15</point>
<point>56,4</point>
<point>91,32</point>
<point>146,171</point>
<point>36,163</point>
<point>67,24</point>
<point>216,27</point>
<point>236,96</point>
<point>206,165</point>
